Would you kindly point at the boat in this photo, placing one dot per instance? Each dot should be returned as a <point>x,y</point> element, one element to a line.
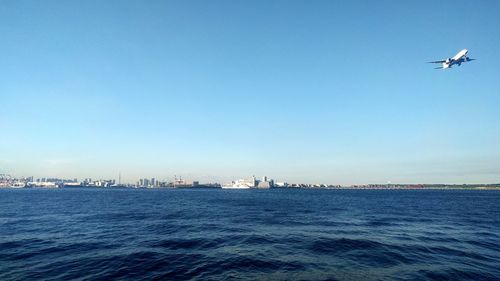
<point>239,184</point>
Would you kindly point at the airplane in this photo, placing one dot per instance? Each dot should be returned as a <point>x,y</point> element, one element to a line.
<point>458,59</point>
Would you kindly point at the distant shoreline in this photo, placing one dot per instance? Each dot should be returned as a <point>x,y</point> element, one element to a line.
<point>495,187</point>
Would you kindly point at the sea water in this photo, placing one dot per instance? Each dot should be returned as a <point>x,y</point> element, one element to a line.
<point>277,234</point>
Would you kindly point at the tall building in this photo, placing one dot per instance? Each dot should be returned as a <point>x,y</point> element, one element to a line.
<point>143,182</point>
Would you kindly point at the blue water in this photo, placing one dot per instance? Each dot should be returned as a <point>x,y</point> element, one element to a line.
<point>88,234</point>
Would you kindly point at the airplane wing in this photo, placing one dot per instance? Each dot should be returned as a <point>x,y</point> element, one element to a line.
<point>438,61</point>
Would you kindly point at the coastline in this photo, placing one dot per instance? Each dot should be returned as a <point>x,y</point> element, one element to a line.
<point>482,187</point>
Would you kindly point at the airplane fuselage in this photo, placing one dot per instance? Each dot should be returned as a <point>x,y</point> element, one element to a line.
<point>457,59</point>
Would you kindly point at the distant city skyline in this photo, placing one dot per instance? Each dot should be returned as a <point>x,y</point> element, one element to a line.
<point>303,91</point>
<point>8,181</point>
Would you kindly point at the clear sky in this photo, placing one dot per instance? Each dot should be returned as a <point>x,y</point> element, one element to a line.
<point>301,91</point>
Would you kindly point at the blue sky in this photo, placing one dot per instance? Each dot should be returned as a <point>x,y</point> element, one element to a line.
<point>301,91</point>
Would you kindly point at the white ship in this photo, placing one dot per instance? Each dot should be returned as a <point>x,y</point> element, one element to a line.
<point>18,184</point>
<point>240,184</point>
